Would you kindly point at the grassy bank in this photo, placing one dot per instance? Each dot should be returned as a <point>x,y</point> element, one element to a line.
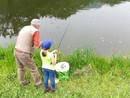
<point>91,76</point>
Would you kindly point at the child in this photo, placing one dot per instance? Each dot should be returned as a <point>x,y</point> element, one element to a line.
<point>48,62</point>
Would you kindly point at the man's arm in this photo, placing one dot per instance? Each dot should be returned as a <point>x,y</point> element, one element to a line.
<point>36,41</point>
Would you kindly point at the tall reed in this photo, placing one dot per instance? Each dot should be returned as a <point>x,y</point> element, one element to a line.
<point>7,61</point>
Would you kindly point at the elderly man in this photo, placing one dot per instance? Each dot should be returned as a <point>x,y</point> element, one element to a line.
<point>28,38</point>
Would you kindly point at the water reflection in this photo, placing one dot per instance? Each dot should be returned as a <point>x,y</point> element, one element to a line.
<point>106,29</point>
<point>102,24</point>
<point>14,14</point>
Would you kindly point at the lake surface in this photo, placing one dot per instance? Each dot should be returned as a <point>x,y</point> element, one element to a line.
<point>104,26</point>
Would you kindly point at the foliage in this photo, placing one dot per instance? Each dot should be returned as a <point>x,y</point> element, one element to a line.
<point>92,76</point>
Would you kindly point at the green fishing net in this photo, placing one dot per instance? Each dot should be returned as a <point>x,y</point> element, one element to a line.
<point>62,76</point>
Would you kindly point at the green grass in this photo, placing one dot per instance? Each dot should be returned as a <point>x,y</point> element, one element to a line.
<point>91,76</point>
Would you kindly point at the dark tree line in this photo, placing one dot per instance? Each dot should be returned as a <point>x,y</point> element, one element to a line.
<point>14,14</point>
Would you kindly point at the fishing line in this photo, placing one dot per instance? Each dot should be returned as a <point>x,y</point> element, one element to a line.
<point>63,36</point>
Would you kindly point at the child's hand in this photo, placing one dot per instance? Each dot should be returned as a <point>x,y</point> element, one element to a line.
<point>55,51</point>
<point>59,52</point>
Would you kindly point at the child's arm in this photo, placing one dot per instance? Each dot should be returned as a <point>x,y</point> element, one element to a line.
<point>54,56</point>
<point>53,60</point>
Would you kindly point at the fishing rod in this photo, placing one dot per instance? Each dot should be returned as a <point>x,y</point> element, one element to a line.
<point>63,36</point>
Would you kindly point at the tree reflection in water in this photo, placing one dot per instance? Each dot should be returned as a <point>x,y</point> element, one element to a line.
<point>14,14</point>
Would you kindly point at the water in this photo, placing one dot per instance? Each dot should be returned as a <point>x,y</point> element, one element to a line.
<point>100,25</point>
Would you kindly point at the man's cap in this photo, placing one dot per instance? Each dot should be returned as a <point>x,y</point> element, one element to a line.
<point>35,22</point>
<point>46,44</point>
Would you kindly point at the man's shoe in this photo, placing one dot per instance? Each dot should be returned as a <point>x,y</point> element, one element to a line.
<point>25,83</point>
<point>38,85</point>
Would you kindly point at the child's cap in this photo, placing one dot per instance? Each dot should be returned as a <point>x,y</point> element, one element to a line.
<point>46,44</point>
